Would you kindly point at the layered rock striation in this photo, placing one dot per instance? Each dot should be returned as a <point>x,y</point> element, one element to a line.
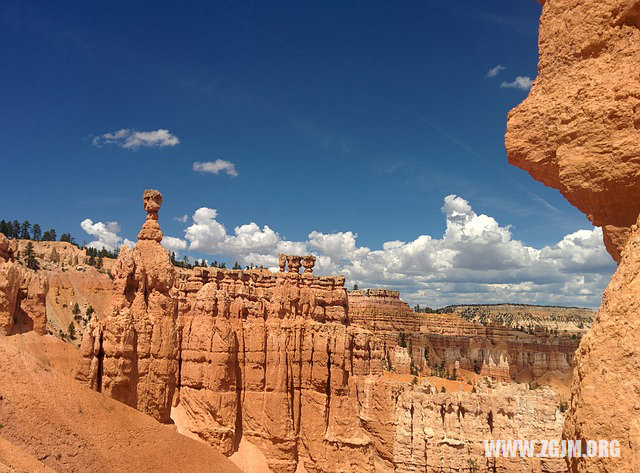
<point>131,353</point>
<point>22,293</point>
<point>578,131</point>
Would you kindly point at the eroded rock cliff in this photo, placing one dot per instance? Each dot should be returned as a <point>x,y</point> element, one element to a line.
<point>578,131</point>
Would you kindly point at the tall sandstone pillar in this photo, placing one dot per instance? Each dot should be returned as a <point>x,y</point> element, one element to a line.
<point>131,353</point>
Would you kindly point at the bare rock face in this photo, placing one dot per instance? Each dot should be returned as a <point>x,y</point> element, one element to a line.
<point>131,354</point>
<point>23,294</point>
<point>10,279</point>
<point>268,358</point>
<point>578,130</point>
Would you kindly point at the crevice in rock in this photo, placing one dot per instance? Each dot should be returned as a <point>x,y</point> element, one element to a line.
<point>328,390</point>
<point>100,365</point>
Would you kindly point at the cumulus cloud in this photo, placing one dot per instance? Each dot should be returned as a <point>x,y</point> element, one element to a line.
<point>183,219</point>
<point>174,244</point>
<point>132,139</point>
<point>106,234</point>
<point>520,82</point>
<point>215,167</point>
<point>475,260</point>
<point>494,71</point>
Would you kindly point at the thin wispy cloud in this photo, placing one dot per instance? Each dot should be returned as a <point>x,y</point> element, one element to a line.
<point>183,219</point>
<point>520,82</point>
<point>132,139</point>
<point>216,167</point>
<point>494,71</point>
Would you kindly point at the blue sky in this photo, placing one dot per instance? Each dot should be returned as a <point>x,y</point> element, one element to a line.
<point>325,117</point>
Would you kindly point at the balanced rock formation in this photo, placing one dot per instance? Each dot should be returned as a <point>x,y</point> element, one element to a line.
<point>578,131</point>
<point>131,353</point>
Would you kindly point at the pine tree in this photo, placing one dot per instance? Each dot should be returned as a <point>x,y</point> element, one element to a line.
<point>4,229</point>
<point>72,331</point>
<point>49,235</point>
<point>237,266</point>
<point>15,229</point>
<point>24,230</point>
<point>76,311</point>
<point>99,262</point>
<point>37,232</point>
<point>68,238</point>
<point>29,257</point>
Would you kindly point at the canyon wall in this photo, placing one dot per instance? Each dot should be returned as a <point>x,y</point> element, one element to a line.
<point>578,131</point>
<point>272,362</point>
<point>527,317</point>
<point>22,293</point>
<point>490,350</point>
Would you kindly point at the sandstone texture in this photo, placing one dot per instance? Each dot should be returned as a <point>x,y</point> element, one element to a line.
<point>284,371</point>
<point>22,293</point>
<point>52,423</point>
<point>131,353</point>
<point>489,349</point>
<point>578,131</point>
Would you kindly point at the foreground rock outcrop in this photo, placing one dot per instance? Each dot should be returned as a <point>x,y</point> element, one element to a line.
<point>578,131</point>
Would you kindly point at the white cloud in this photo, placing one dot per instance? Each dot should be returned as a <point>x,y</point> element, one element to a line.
<point>494,71</point>
<point>215,167</point>
<point>183,219</point>
<point>520,82</point>
<point>106,234</point>
<point>132,139</point>
<point>174,244</point>
<point>476,260</point>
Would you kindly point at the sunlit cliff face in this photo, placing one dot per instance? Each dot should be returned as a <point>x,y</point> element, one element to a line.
<point>579,129</point>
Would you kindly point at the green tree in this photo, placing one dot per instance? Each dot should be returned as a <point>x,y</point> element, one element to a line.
<point>72,331</point>
<point>36,232</point>
<point>24,230</point>
<point>15,229</point>
<point>237,266</point>
<point>49,235</point>
<point>29,257</point>
<point>416,308</point>
<point>89,312</point>
<point>4,228</point>
<point>76,311</point>
<point>223,265</point>
<point>99,262</point>
<point>355,287</point>
<point>173,258</point>
<point>403,340</point>
<point>92,260</point>
<point>214,264</point>
<point>443,389</point>
<point>68,238</point>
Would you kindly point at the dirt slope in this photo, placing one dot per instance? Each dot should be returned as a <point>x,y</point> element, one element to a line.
<point>70,428</point>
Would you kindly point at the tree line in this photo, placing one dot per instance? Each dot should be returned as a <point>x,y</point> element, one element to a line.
<point>27,231</point>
